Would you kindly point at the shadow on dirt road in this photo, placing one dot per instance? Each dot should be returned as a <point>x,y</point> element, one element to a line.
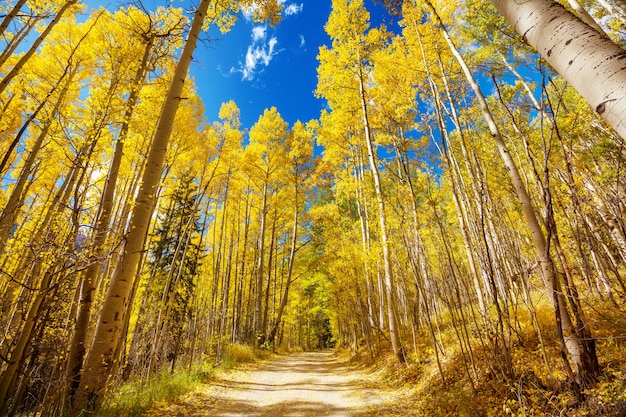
<point>308,384</point>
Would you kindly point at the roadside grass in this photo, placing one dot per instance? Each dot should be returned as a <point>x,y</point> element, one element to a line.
<point>133,399</point>
<point>467,387</point>
<point>237,354</point>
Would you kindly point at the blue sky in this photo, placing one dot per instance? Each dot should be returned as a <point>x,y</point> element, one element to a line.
<point>258,66</point>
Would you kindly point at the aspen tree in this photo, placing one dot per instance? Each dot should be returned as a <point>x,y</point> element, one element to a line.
<point>13,205</point>
<point>42,265</point>
<point>267,160</point>
<point>31,51</point>
<point>389,279</point>
<point>458,188</point>
<point>11,210</point>
<point>102,357</point>
<point>461,203</point>
<point>8,18</point>
<point>579,345</point>
<point>4,164</point>
<point>353,43</point>
<point>109,328</point>
<point>19,21</point>
<point>301,152</point>
<point>376,318</point>
<point>586,59</point>
<point>102,222</point>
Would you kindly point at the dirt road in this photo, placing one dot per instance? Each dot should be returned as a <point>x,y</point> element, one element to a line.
<point>308,384</point>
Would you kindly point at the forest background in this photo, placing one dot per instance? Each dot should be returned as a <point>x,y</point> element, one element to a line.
<point>451,208</point>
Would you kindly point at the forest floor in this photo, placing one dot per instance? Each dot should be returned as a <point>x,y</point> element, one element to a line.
<point>302,384</point>
<point>254,383</point>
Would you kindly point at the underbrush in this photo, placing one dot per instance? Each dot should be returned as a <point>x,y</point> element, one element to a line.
<point>132,399</point>
<point>472,384</point>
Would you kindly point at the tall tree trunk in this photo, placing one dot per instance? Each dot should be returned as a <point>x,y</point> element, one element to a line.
<point>394,331</point>
<point>239,301</point>
<point>24,59</point>
<point>12,208</point>
<point>588,60</point>
<point>260,272</point>
<point>78,345</point>
<point>101,357</point>
<point>271,256</point>
<point>8,18</point>
<point>292,255</point>
<point>376,319</point>
<point>582,351</point>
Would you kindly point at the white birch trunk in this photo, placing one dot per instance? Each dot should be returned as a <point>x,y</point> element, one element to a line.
<point>584,16</point>
<point>394,331</point>
<point>588,60</point>
<point>582,351</point>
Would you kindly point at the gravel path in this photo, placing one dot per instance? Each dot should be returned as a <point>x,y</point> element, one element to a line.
<point>307,384</point>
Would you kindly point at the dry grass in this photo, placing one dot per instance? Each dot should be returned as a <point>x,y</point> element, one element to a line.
<point>533,391</point>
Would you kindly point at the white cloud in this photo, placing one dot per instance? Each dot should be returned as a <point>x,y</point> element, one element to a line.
<point>258,33</point>
<point>261,50</point>
<point>289,10</point>
<point>272,43</point>
<point>258,54</point>
<point>293,9</point>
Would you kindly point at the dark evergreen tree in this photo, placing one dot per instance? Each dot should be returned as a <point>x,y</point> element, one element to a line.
<point>172,264</point>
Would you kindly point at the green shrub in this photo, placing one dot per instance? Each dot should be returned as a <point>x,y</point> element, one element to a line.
<point>133,398</point>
